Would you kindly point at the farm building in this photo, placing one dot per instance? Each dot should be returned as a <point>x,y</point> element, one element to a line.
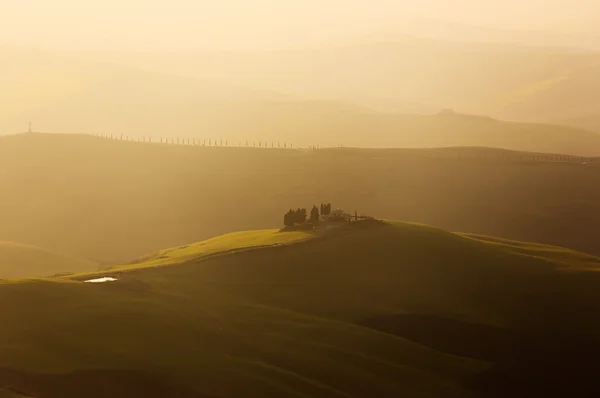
<point>337,215</point>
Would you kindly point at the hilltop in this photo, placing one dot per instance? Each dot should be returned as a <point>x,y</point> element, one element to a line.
<point>294,319</point>
<point>113,201</point>
<point>18,260</point>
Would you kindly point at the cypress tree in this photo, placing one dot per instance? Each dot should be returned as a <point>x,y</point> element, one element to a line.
<point>288,218</point>
<point>301,216</point>
<point>314,215</point>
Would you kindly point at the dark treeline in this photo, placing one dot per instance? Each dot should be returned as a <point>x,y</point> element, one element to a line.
<point>196,142</point>
<point>508,156</point>
<point>299,216</point>
<point>314,215</point>
<point>292,217</point>
<point>325,209</point>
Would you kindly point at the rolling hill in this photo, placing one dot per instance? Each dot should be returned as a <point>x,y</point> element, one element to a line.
<point>67,94</point>
<point>504,80</point>
<point>17,260</point>
<point>113,201</point>
<point>294,319</point>
<point>575,36</point>
<point>589,122</point>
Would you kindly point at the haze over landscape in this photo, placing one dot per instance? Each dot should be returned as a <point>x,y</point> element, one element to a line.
<point>167,177</point>
<point>66,62</point>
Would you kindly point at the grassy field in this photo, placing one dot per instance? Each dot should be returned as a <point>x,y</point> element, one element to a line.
<point>285,320</point>
<point>61,192</point>
<point>228,243</point>
<point>17,260</point>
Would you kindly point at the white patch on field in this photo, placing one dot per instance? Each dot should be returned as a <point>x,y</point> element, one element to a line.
<point>101,280</point>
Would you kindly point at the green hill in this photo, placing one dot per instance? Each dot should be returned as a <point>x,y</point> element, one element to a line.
<point>17,260</point>
<point>286,320</point>
<point>111,201</point>
<point>366,258</point>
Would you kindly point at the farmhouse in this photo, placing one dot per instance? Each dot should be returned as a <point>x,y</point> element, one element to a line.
<point>337,215</point>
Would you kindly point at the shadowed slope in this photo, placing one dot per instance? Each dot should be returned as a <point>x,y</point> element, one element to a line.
<point>10,394</point>
<point>393,268</point>
<point>185,324</point>
<point>280,321</point>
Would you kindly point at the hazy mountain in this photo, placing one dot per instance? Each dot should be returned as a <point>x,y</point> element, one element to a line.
<point>408,74</point>
<point>565,35</point>
<point>590,122</point>
<point>60,94</point>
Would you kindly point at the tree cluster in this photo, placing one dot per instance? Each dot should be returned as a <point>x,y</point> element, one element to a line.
<point>292,217</point>
<point>325,209</point>
<point>299,216</point>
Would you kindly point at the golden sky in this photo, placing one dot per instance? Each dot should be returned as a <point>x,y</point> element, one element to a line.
<point>253,24</point>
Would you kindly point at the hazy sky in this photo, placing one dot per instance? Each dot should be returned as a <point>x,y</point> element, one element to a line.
<point>252,24</point>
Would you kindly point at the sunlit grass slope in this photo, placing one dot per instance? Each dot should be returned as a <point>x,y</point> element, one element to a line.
<point>220,244</point>
<point>17,260</point>
<point>280,321</point>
